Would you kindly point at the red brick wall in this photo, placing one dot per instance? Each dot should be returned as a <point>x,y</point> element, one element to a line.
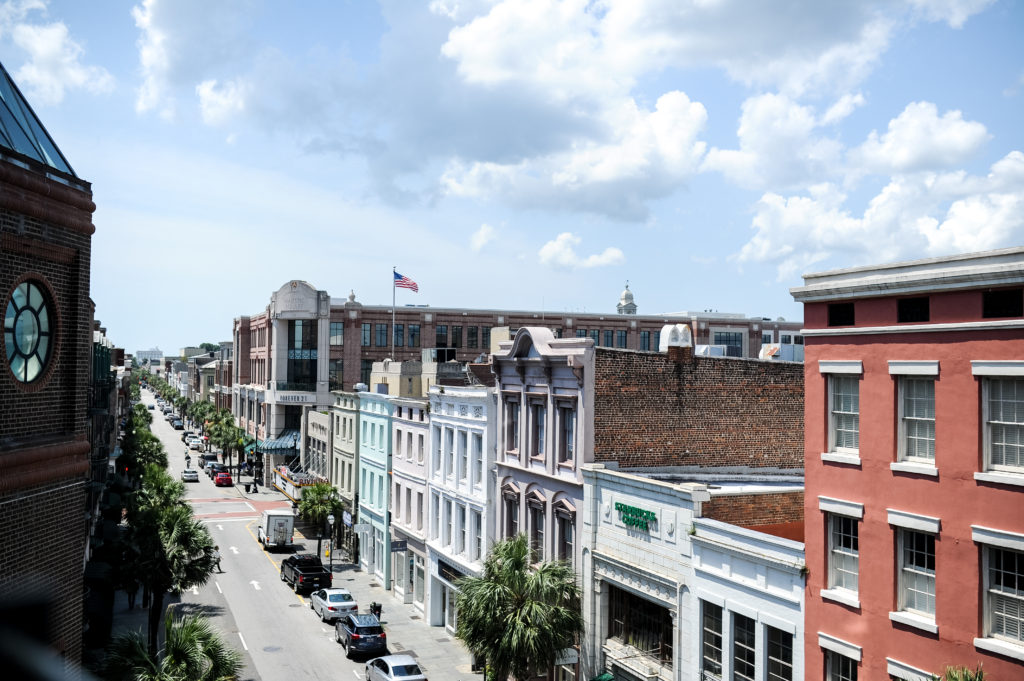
<point>652,410</point>
<point>751,510</point>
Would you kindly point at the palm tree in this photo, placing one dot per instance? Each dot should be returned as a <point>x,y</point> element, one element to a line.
<point>193,649</point>
<point>518,616</point>
<point>962,674</point>
<point>319,501</point>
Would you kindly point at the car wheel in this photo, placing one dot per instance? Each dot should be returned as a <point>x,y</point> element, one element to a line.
<point>367,674</point>
<point>311,604</point>
<point>282,576</point>
<point>295,587</point>
<point>337,636</point>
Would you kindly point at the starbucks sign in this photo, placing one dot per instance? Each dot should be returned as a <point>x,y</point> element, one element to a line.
<point>632,516</point>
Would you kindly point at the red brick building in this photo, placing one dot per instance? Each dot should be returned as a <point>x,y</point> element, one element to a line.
<point>45,244</point>
<point>914,426</point>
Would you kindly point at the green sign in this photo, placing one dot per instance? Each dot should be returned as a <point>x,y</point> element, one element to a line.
<point>635,517</point>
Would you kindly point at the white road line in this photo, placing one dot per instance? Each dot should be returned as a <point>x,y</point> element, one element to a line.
<point>220,527</point>
<point>355,673</point>
<point>217,584</point>
<point>247,518</point>
<point>195,590</point>
<point>247,647</point>
<point>250,507</point>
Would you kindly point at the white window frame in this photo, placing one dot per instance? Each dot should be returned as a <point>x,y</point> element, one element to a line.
<point>991,540</point>
<point>904,521</point>
<point>990,371</point>
<point>835,509</point>
<point>906,371</point>
<point>835,370</point>
<point>566,431</point>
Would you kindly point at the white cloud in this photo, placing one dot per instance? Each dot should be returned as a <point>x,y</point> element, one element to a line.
<point>561,253</point>
<point>15,11</point>
<point>915,215</point>
<point>482,237</point>
<point>54,59</point>
<point>219,104</point>
<point>843,107</point>
<point>777,145</point>
<point>919,139</point>
<point>953,12</point>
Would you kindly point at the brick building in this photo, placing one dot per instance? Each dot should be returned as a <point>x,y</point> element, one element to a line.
<point>915,468</point>
<point>45,245</point>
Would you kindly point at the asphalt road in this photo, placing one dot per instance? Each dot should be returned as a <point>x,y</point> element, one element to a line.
<point>278,634</point>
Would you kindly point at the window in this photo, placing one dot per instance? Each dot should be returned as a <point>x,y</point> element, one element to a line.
<point>595,335</point>
<point>399,335</point>
<point>1002,303</point>
<point>365,342</point>
<point>732,340</point>
<point>917,418</point>
<point>581,333</point>
<point>419,449</point>
<point>28,335</point>
<point>435,516</point>
<point>381,502</point>
<point>912,310</point>
<point>449,452</point>
<point>608,335</point>
<point>382,336</point>
<point>565,525</point>
<point>302,355</point>
<point>711,640</point>
<point>640,624</point>
<point>620,339</point>
<point>396,501</point>
<point>448,522</point>
<point>1004,424</point>
<point>485,337</point>
<point>335,373</point>
<point>365,367</point>
<point>917,572</point>
<point>512,426</point>
<point>843,552</point>
<point>337,333</point>
<point>456,336</point>
<point>419,510</point>
<point>645,340</point>
<point>478,459</point>
<point>566,432</point>
<point>435,463</point>
<point>511,502</point>
<point>463,531</point>
<point>840,314</point>
<point>463,457</point>
<point>786,339</point>
<point>839,667</point>
<point>536,518</point>
<point>471,336</point>
<point>844,409</point>
<point>1004,594</point>
<point>798,339</point>
<point>441,336</point>
<point>766,338</point>
<point>408,445</point>
<point>478,540</point>
<point>744,654</point>
<point>780,654</point>
<point>538,418</point>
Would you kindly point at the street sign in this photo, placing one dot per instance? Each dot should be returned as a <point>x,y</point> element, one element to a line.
<point>401,545</point>
<point>361,527</point>
<point>346,518</point>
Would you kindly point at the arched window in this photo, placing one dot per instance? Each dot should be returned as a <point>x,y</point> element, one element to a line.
<point>28,332</point>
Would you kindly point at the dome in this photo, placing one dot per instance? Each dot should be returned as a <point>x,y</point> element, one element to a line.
<point>626,304</point>
<point>627,296</point>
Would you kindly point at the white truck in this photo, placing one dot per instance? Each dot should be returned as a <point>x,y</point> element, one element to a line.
<point>276,528</point>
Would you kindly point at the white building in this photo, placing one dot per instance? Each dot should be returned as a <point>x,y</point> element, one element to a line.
<point>410,443</point>
<point>344,464</point>
<point>461,486</point>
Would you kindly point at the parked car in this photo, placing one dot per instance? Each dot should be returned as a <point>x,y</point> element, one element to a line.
<point>177,424</point>
<point>393,668</point>
<point>223,480</point>
<point>215,467</point>
<point>187,435</point>
<point>196,444</point>
<point>190,475</point>
<point>331,604</point>
<point>305,572</point>
<point>150,406</point>
<point>360,634</point>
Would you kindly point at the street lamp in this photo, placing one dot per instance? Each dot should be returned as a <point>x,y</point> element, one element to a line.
<point>330,522</point>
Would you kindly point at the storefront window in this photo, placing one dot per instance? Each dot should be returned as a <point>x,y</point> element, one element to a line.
<point>641,624</point>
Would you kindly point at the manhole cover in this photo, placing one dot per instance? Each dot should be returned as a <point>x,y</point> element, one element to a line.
<point>271,649</point>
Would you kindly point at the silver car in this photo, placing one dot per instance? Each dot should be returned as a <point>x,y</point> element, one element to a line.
<point>332,603</point>
<point>394,668</point>
<point>190,475</point>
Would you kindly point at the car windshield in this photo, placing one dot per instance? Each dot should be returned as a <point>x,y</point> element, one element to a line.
<point>406,670</point>
<point>369,631</point>
<point>340,598</point>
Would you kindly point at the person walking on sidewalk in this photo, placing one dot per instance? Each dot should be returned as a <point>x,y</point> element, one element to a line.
<point>216,557</point>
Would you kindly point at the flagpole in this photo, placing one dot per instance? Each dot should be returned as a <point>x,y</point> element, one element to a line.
<point>394,271</point>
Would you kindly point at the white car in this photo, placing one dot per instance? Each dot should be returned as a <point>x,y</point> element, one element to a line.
<point>394,668</point>
<point>190,475</point>
<point>195,443</point>
<point>332,603</point>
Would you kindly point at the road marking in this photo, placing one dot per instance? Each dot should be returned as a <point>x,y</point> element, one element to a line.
<point>233,550</point>
<point>355,673</point>
<point>250,507</point>
<point>217,584</point>
<point>195,590</point>
<point>225,520</point>
<point>256,585</point>
<point>219,526</point>
<point>243,642</point>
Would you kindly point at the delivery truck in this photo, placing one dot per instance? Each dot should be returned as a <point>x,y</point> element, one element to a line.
<point>276,528</point>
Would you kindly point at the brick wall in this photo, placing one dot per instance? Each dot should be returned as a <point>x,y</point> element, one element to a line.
<point>751,510</point>
<point>655,410</point>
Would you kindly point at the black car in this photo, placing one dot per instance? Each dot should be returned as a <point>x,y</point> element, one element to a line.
<point>214,468</point>
<point>360,634</point>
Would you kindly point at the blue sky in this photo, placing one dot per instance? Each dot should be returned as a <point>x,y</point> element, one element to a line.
<point>523,154</point>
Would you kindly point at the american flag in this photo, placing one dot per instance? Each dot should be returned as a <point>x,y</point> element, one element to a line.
<point>406,282</point>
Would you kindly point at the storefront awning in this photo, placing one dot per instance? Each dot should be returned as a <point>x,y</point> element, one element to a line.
<point>288,439</point>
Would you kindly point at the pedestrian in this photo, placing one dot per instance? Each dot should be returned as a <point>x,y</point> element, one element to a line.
<point>216,557</point>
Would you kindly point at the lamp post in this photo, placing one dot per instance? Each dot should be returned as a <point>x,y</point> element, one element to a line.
<point>330,523</point>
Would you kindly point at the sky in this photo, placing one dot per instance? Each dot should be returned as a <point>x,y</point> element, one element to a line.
<point>519,154</point>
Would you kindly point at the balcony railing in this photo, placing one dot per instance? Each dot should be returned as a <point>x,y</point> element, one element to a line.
<point>296,387</point>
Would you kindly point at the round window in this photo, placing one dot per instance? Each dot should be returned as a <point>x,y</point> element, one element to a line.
<point>27,332</point>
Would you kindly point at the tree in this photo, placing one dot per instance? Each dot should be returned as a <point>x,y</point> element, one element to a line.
<point>210,347</point>
<point>962,674</point>
<point>175,551</point>
<point>518,616</point>
<point>319,501</point>
<point>193,650</point>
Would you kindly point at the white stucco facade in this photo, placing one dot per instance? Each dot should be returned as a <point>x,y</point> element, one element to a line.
<point>410,444</point>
